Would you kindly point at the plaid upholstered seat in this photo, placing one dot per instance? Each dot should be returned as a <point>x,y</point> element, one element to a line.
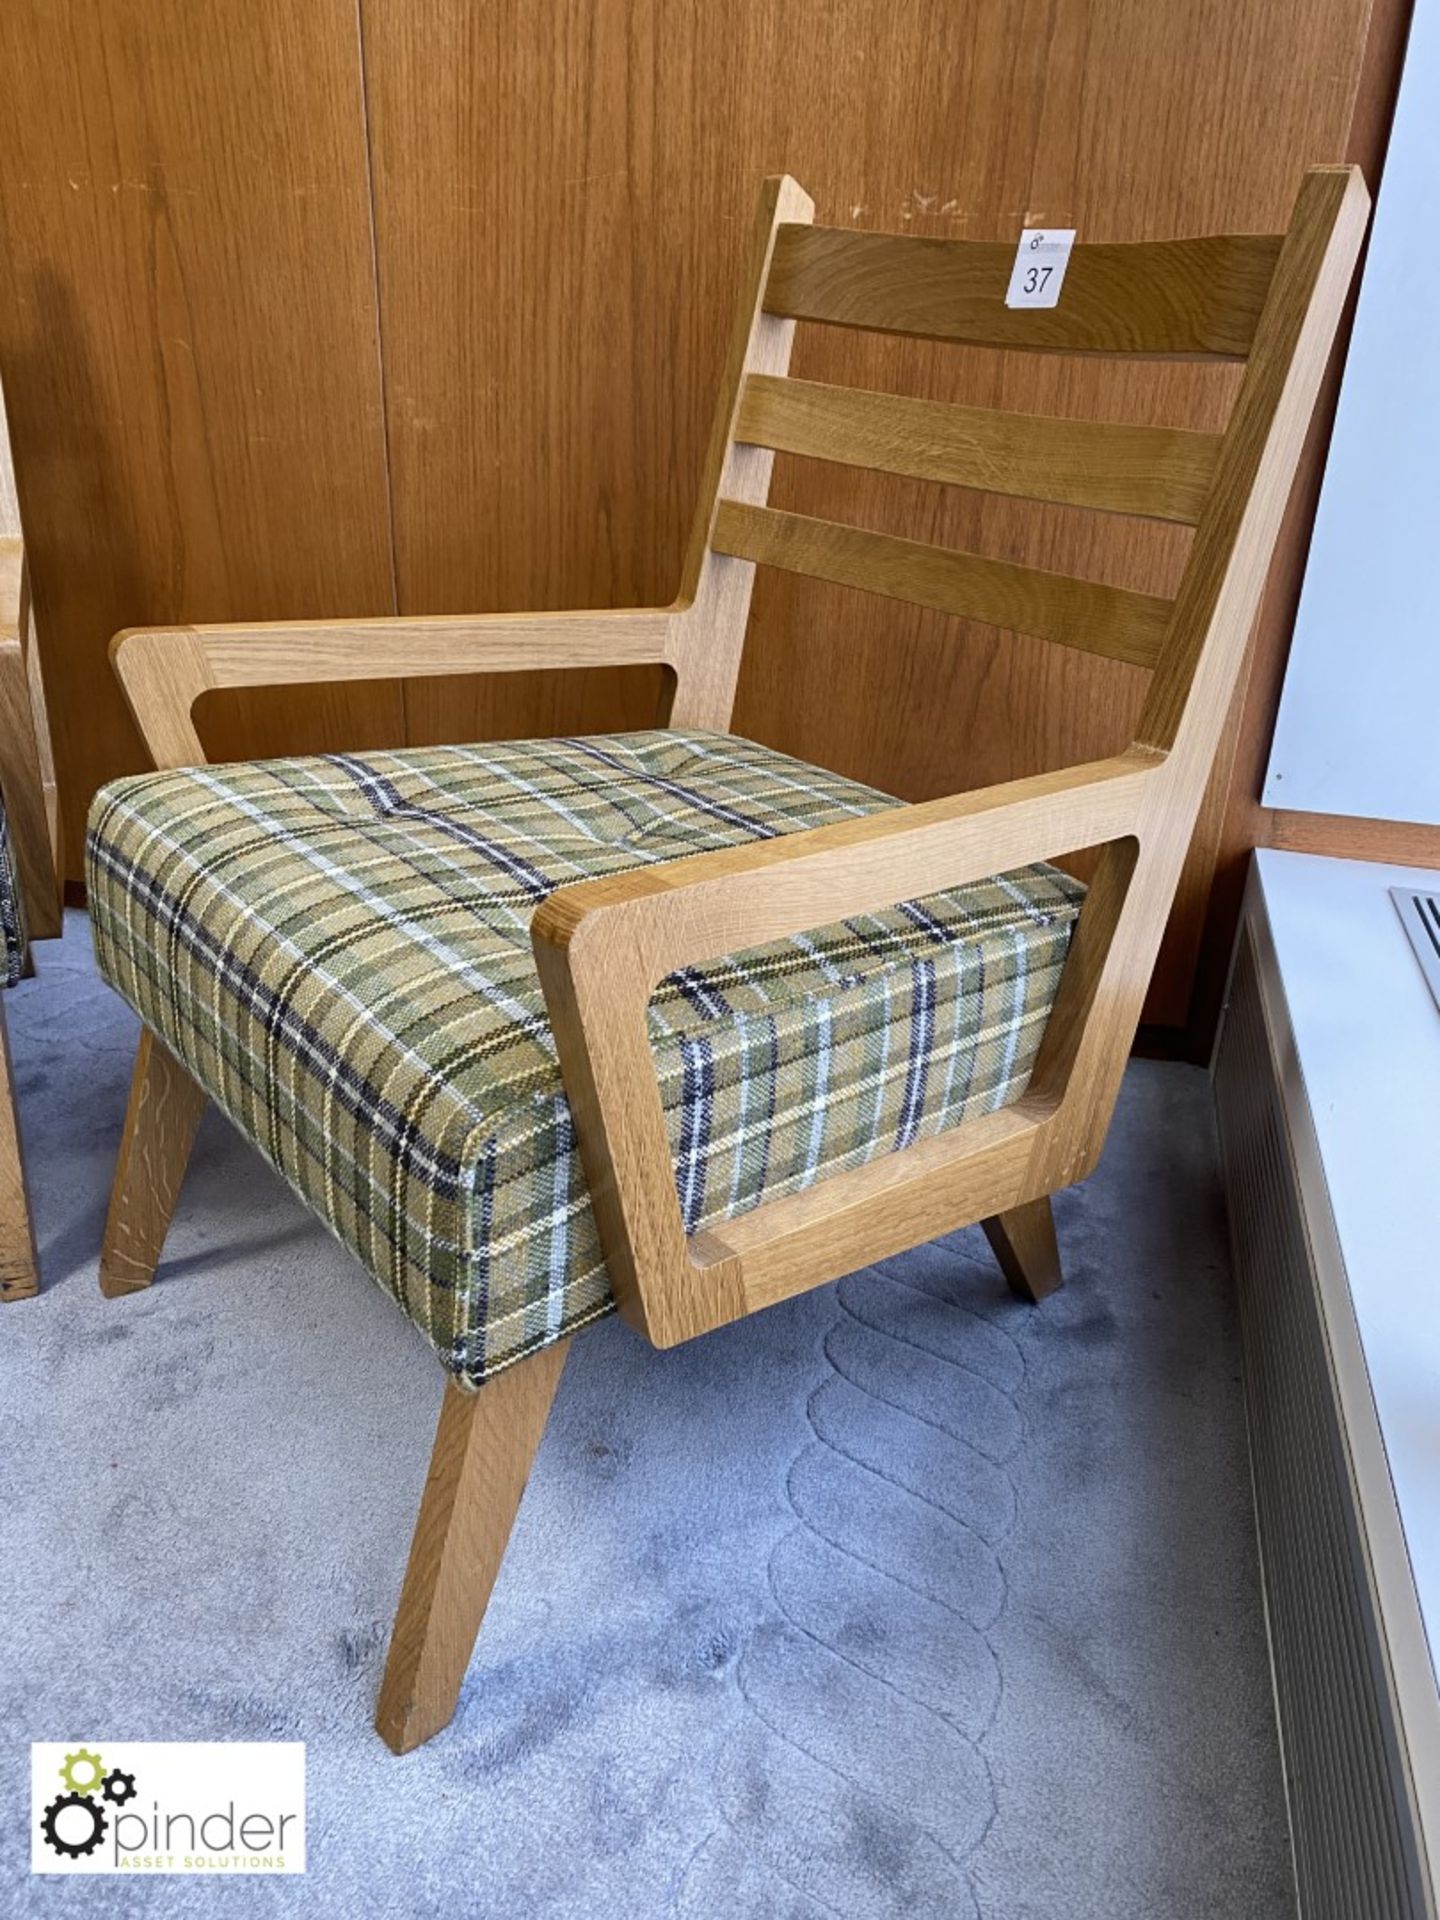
<point>338,950</point>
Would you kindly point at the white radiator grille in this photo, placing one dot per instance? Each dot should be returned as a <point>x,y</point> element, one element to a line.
<point>1352,1823</point>
<point>1420,916</point>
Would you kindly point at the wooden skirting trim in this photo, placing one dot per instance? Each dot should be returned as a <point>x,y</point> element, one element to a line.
<point>1399,843</point>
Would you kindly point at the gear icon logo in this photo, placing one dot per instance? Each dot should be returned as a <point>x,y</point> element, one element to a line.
<point>88,1765</point>
<point>79,1838</point>
<point>78,1819</point>
<point>118,1787</point>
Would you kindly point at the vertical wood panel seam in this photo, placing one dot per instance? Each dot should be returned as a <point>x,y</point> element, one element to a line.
<point>379,327</point>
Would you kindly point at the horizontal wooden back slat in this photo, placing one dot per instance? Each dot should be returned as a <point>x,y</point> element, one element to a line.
<point>1112,621</point>
<point>1163,473</point>
<point>1172,297</point>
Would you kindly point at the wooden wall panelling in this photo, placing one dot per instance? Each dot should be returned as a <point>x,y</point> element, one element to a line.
<point>188,346</point>
<point>562,195</point>
<point>548,380</point>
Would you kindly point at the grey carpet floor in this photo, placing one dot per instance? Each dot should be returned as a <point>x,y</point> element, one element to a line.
<point>900,1599</point>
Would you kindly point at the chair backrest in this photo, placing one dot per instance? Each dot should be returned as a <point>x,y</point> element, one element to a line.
<point>1270,300</point>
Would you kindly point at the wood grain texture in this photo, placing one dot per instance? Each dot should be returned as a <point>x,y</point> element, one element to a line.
<point>601,947</point>
<point>1401,843</point>
<point>19,1268</point>
<point>45,754</point>
<point>557,285</point>
<point>160,1121</point>
<point>1185,931</point>
<point>1200,939</point>
<point>1159,472</point>
<point>485,1445</point>
<point>165,672</point>
<point>12,567</point>
<point>715,588</point>
<point>9,504</point>
<point>27,766</point>
<point>1023,1242</point>
<point>1236,535</point>
<point>189,348</point>
<point>29,819</point>
<point>184,312</point>
<point>1172,297</point>
<point>1086,614</point>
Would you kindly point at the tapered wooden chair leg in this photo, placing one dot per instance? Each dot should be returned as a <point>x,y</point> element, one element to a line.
<point>1024,1243</point>
<point>160,1122</point>
<point>18,1267</point>
<point>484,1448</point>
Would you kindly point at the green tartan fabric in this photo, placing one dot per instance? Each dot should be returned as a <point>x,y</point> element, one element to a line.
<point>338,949</point>
<point>12,913</point>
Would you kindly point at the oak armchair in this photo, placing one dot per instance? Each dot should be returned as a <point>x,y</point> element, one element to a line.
<point>793,1025</point>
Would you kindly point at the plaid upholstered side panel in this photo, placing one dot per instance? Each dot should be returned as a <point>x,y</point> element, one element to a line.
<point>12,912</point>
<point>338,949</point>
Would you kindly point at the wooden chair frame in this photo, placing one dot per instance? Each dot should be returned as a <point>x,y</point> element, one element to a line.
<point>27,781</point>
<point>603,946</point>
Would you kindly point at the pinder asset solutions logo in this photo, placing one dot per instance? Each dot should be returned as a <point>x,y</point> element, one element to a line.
<point>168,1807</point>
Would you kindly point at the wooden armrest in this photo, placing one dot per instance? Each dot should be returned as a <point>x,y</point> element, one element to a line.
<point>12,573</point>
<point>164,670</point>
<point>602,947</point>
<point>26,773</point>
